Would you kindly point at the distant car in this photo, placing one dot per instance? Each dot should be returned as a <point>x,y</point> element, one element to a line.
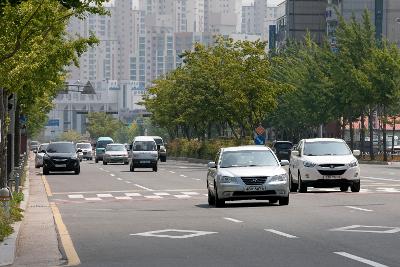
<point>162,151</point>
<point>115,153</point>
<point>87,150</point>
<point>34,146</point>
<point>144,153</point>
<point>282,149</point>
<point>61,156</point>
<point>101,144</point>
<point>324,163</point>
<point>39,155</point>
<point>247,172</point>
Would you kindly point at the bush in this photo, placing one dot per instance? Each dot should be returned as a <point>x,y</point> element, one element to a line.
<point>5,224</point>
<point>15,215</point>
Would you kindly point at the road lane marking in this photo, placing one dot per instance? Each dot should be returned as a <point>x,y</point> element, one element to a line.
<point>128,182</point>
<point>171,171</point>
<point>382,179</point>
<point>127,191</point>
<point>232,220</point>
<point>104,195</point>
<point>164,233</point>
<point>111,174</point>
<point>363,260</point>
<point>357,208</point>
<point>75,196</point>
<point>119,179</point>
<point>162,194</point>
<point>280,233</point>
<point>66,241</point>
<point>153,197</point>
<point>190,193</point>
<point>133,194</point>
<point>92,198</point>
<point>123,198</point>
<point>368,229</point>
<point>145,188</point>
<point>47,186</point>
<point>182,196</point>
<point>183,175</point>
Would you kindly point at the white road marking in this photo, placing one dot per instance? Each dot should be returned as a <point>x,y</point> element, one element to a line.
<point>387,189</point>
<point>75,196</point>
<point>357,208</point>
<point>382,179</point>
<point>128,182</point>
<point>104,195</point>
<point>171,171</point>
<point>232,220</point>
<point>190,193</point>
<point>206,195</point>
<point>153,197</point>
<point>145,188</point>
<point>133,194</point>
<point>280,233</point>
<point>189,233</point>
<point>123,198</point>
<point>162,194</point>
<point>356,258</point>
<point>353,228</point>
<point>196,179</point>
<point>183,167</point>
<point>181,196</point>
<point>111,174</point>
<point>119,179</point>
<point>182,175</point>
<point>128,191</point>
<point>92,198</point>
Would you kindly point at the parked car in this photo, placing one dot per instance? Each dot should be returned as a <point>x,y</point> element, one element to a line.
<point>101,144</point>
<point>39,155</point>
<point>282,149</point>
<point>144,153</point>
<point>34,146</point>
<point>162,151</point>
<point>324,163</point>
<point>87,150</point>
<point>247,172</point>
<point>61,156</point>
<point>115,153</point>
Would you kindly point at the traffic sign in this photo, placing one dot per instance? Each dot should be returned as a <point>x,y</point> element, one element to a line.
<point>260,130</point>
<point>259,140</point>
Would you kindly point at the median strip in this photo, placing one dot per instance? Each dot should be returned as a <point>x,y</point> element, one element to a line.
<point>356,258</point>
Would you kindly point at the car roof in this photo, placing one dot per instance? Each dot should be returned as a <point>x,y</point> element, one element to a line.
<point>324,140</point>
<point>116,144</point>
<point>245,148</point>
<point>102,138</point>
<point>143,138</point>
<point>80,143</point>
<point>62,142</point>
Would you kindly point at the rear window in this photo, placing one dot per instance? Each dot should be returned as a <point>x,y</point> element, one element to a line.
<point>283,146</point>
<point>83,146</point>
<point>103,144</point>
<point>61,148</point>
<point>144,146</point>
<point>159,141</point>
<point>115,148</point>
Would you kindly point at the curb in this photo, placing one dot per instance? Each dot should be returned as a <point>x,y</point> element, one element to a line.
<point>191,160</point>
<point>8,247</point>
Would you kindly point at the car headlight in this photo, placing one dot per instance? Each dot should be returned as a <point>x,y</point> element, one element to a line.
<point>279,178</point>
<point>227,179</point>
<point>353,164</point>
<point>309,164</point>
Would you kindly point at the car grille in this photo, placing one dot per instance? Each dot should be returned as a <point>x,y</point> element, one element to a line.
<point>254,180</point>
<point>254,193</point>
<point>331,165</point>
<point>331,172</point>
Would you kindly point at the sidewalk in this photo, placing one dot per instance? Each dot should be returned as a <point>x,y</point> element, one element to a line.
<point>37,243</point>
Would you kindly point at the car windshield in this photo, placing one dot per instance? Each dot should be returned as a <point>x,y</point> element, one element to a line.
<point>325,148</point>
<point>34,143</point>
<point>283,146</point>
<point>61,148</point>
<point>83,145</point>
<point>43,147</point>
<point>103,144</point>
<point>159,141</point>
<point>144,146</point>
<point>248,158</point>
<point>115,148</point>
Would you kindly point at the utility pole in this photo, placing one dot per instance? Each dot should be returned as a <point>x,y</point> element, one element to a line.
<point>3,137</point>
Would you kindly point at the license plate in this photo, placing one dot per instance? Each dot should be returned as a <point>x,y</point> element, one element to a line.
<point>331,177</point>
<point>145,161</point>
<point>255,188</point>
<point>61,165</point>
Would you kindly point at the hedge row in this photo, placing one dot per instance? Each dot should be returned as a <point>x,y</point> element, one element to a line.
<point>201,149</point>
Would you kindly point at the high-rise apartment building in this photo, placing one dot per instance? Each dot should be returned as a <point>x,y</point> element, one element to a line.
<point>248,20</point>
<point>222,16</point>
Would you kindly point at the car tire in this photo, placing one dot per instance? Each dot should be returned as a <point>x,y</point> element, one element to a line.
<point>355,187</point>
<point>37,166</point>
<point>131,168</point>
<point>78,170</point>
<point>163,159</point>
<point>104,162</point>
<point>155,168</point>
<point>45,171</point>
<point>284,201</point>
<point>96,160</point>
<point>218,203</point>
<point>344,188</point>
<point>272,201</point>
<point>293,186</point>
<point>302,187</point>
<point>210,197</point>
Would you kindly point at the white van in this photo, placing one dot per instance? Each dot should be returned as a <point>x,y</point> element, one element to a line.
<point>144,153</point>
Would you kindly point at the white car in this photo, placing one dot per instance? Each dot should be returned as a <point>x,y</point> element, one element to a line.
<point>324,163</point>
<point>115,153</point>
<point>87,150</point>
<point>39,155</point>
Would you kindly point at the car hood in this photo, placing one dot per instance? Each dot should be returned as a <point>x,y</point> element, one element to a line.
<point>61,155</point>
<point>339,159</point>
<point>251,171</point>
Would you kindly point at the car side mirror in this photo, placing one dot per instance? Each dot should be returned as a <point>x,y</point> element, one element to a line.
<point>42,151</point>
<point>284,162</point>
<point>211,165</point>
<point>356,153</point>
<point>295,153</point>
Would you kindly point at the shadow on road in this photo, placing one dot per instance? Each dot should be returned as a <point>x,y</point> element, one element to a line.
<point>239,205</point>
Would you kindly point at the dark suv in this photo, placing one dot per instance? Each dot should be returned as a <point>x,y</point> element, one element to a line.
<point>61,156</point>
<point>282,149</point>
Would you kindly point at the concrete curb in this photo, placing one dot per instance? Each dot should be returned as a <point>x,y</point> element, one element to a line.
<point>8,247</point>
<point>191,160</point>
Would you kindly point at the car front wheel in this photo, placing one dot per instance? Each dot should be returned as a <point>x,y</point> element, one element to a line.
<point>355,187</point>
<point>293,186</point>
<point>302,186</point>
<point>78,171</point>
<point>155,168</point>
<point>283,201</point>
<point>219,203</point>
<point>45,170</point>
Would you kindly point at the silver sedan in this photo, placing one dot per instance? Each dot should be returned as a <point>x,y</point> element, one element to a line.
<point>247,172</point>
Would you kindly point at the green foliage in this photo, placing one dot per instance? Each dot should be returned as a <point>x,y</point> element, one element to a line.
<point>5,224</point>
<point>125,134</point>
<point>102,124</point>
<point>15,215</point>
<point>71,135</point>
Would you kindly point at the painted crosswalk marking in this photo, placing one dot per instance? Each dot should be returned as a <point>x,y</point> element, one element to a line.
<point>104,195</point>
<point>133,194</point>
<point>153,197</point>
<point>190,193</point>
<point>123,198</point>
<point>93,198</point>
<point>162,194</point>
<point>75,196</point>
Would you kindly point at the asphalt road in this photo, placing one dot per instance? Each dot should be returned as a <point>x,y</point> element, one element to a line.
<point>119,218</point>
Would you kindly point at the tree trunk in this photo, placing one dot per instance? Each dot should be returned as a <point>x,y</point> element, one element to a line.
<point>393,131</point>
<point>371,135</point>
<point>343,128</point>
<point>233,130</point>
<point>3,141</point>
<point>385,158</point>
<point>17,136</point>
<point>351,135</point>
<point>362,135</point>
